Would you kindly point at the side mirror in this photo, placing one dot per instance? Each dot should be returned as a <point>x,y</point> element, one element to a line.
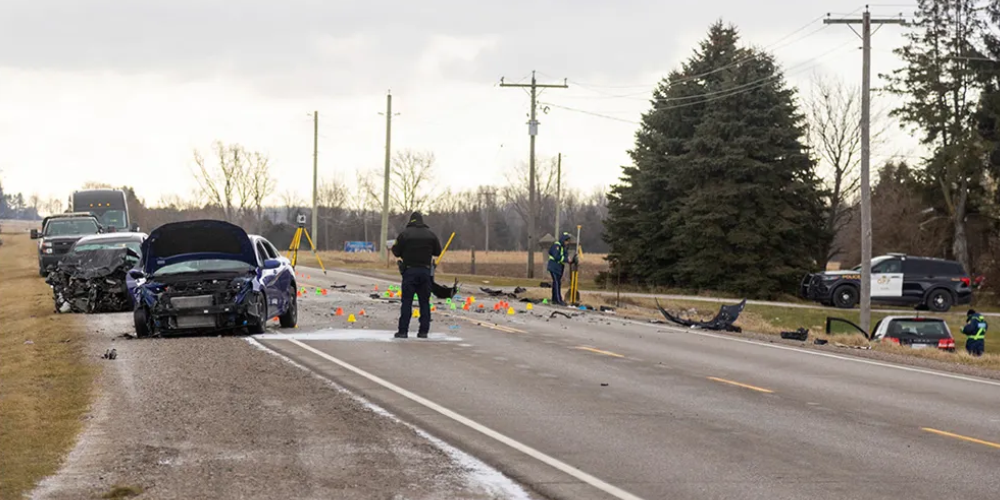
<point>34,234</point>
<point>135,228</point>
<point>137,274</point>
<point>272,264</point>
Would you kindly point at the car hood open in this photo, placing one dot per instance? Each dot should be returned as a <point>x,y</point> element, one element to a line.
<point>195,240</point>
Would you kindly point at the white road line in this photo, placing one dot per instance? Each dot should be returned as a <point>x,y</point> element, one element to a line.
<point>523,448</point>
<point>835,356</point>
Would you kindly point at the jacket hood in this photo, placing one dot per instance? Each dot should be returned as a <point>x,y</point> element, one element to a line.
<point>416,220</point>
<point>196,240</point>
<point>564,237</point>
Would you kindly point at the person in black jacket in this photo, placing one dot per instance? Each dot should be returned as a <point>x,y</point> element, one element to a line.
<point>416,246</point>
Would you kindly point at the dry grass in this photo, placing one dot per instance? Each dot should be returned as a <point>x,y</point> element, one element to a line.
<point>459,262</point>
<point>45,385</point>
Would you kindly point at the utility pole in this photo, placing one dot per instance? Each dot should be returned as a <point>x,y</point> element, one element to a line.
<point>487,192</point>
<point>532,132</point>
<point>315,211</point>
<point>384,235</point>
<point>866,191</point>
<point>558,192</point>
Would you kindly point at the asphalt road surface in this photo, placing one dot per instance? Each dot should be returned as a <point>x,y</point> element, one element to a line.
<point>598,407</point>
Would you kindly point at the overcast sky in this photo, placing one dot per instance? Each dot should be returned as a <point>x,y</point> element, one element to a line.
<point>122,91</point>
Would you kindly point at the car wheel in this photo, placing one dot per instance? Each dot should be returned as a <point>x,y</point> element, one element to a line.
<point>256,328</point>
<point>845,297</point>
<point>939,301</point>
<point>141,320</point>
<point>42,273</point>
<point>291,316</point>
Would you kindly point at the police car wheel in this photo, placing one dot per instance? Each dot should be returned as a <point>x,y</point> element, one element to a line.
<point>845,297</point>
<point>939,301</point>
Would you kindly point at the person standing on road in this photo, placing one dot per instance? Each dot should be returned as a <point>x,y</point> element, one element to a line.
<point>416,246</point>
<point>975,329</point>
<point>557,263</point>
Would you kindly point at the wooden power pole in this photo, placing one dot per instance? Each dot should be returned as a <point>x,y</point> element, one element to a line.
<point>315,210</point>
<point>866,22</point>
<point>384,234</point>
<point>532,132</point>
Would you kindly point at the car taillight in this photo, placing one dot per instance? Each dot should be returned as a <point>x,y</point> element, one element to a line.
<point>946,344</point>
<point>967,281</point>
<point>893,340</point>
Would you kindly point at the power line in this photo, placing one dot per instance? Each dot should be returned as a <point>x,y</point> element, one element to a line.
<point>591,113</point>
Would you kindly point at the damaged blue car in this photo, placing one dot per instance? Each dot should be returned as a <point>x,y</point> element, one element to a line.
<point>208,276</point>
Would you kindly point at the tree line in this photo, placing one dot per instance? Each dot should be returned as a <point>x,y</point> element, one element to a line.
<point>740,185</point>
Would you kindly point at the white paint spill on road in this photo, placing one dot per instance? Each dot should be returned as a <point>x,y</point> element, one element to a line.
<point>478,473</point>
<point>352,335</point>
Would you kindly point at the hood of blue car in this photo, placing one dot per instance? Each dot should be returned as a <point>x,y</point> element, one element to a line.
<point>195,240</point>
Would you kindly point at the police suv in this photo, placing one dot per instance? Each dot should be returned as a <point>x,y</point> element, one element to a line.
<point>896,279</point>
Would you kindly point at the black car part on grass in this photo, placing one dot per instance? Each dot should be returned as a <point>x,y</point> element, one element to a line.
<point>800,334</point>
<point>722,321</point>
<point>92,281</point>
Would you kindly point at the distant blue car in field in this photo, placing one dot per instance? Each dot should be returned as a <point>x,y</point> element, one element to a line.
<point>210,275</point>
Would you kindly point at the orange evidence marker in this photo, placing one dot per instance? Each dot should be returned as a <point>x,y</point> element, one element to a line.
<point>434,308</point>
<point>324,291</point>
<point>340,311</point>
<point>274,318</point>
<point>361,313</point>
<point>480,305</point>
<point>351,319</point>
<point>465,307</point>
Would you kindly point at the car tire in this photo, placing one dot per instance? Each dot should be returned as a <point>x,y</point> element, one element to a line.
<point>260,325</point>
<point>939,300</point>
<point>291,316</point>
<point>42,273</point>
<point>141,320</point>
<point>845,297</point>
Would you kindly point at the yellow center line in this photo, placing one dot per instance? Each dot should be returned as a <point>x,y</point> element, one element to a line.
<point>598,351</point>
<point>492,326</point>
<point>738,384</point>
<point>963,438</point>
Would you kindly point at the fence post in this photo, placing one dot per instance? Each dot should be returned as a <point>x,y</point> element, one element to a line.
<point>473,261</point>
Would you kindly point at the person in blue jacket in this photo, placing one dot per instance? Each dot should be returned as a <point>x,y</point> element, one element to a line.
<point>975,329</point>
<point>557,263</point>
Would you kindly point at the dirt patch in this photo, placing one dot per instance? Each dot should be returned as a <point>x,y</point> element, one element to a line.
<point>215,417</point>
<point>45,381</point>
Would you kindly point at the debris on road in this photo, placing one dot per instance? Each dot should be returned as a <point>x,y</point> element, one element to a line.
<point>500,293</point>
<point>722,321</point>
<point>820,341</point>
<point>110,354</point>
<point>800,334</point>
<point>28,342</point>
<point>607,309</point>
<point>92,281</point>
<point>560,313</point>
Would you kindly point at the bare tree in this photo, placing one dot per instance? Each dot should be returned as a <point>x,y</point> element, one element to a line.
<point>833,117</point>
<point>411,175</point>
<point>516,191</point>
<point>260,184</point>
<point>239,182</point>
<point>218,185</point>
<point>53,205</point>
<point>365,198</point>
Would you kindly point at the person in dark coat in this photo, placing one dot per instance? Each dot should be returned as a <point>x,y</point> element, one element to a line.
<point>416,248</point>
<point>556,266</point>
<point>975,330</point>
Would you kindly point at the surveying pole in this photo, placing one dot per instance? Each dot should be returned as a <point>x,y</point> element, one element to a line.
<point>384,232</point>
<point>315,212</point>
<point>532,132</point>
<point>866,191</point>
<point>558,191</point>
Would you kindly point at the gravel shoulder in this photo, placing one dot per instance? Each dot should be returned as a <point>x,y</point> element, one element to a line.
<point>217,417</point>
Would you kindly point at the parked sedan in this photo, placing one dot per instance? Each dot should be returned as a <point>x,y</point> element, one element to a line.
<point>209,275</point>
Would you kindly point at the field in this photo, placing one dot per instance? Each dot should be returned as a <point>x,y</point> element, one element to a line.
<point>459,263</point>
<point>45,381</point>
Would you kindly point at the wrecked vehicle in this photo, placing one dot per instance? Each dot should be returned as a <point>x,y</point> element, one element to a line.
<point>907,331</point>
<point>92,276</point>
<point>59,233</point>
<point>210,275</point>
<point>722,321</point>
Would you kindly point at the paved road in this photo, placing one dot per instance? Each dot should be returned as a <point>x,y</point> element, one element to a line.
<point>591,407</point>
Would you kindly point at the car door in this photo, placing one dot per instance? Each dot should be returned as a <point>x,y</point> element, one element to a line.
<point>887,279</point>
<point>269,279</point>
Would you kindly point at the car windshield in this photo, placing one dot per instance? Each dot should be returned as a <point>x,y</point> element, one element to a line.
<point>98,245</point>
<point>204,265</point>
<point>917,328</point>
<point>70,227</point>
<point>114,218</point>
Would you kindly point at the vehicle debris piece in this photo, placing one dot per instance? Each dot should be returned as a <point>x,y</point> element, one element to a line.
<point>560,313</point>
<point>607,309</point>
<point>342,286</point>
<point>820,341</point>
<point>500,293</point>
<point>800,334</point>
<point>93,281</point>
<point>110,354</point>
<point>443,292</point>
<point>722,321</point>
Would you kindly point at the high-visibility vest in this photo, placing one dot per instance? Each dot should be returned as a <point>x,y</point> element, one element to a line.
<point>981,332</point>
<point>562,254</point>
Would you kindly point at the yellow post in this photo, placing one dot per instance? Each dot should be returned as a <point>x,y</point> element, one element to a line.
<point>438,261</point>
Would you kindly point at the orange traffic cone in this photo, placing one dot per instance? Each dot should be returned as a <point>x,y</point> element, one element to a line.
<point>324,291</point>
<point>361,313</point>
<point>340,311</point>
<point>434,308</point>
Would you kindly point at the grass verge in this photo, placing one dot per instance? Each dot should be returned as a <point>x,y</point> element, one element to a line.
<point>45,384</point>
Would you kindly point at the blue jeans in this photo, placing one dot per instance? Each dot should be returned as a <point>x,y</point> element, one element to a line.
<point>556,287</point>
<point>416,280</point>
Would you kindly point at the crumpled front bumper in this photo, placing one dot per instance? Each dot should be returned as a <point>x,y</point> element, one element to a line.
<point>203,312</point>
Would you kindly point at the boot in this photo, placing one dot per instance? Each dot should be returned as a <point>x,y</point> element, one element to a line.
<point>400,335</point>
